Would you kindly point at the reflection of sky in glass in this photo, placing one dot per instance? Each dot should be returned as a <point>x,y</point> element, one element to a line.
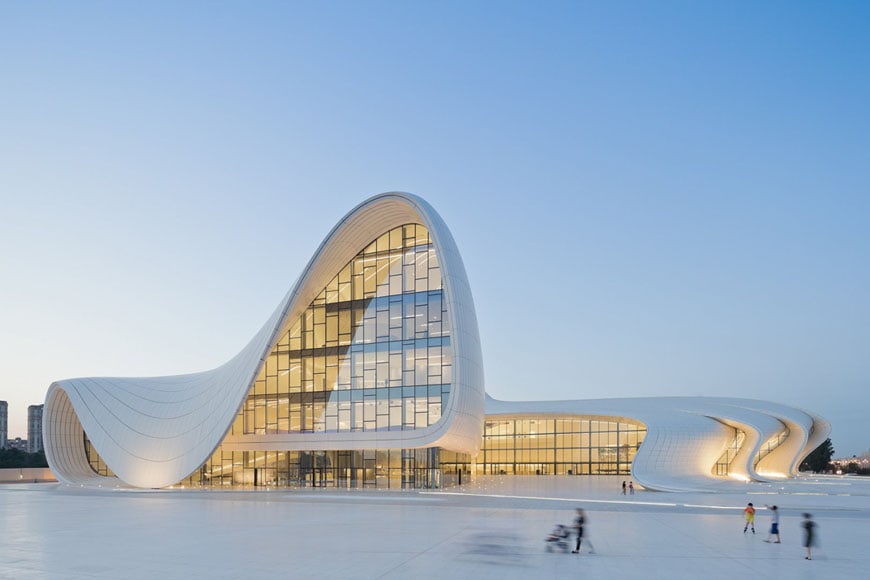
<point>372,352</point>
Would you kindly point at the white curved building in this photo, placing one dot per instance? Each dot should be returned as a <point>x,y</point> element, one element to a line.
<point>666,443</point>
<point>369,373</point>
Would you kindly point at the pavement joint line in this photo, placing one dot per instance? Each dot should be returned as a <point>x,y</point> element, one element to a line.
<point>418,554</point>
<point>565,499</point>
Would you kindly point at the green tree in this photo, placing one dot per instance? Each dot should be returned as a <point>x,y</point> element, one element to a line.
<point>18,458</point>
<point>820,458</point>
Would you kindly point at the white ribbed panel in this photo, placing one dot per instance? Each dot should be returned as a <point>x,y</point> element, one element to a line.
<point>687,435</point>
<point>153,432</point>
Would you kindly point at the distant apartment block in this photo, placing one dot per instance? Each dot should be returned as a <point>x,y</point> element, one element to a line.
<point>4,424</point>
<point>34,428</point>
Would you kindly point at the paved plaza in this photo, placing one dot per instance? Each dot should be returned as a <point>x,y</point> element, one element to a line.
<point>494,528</point>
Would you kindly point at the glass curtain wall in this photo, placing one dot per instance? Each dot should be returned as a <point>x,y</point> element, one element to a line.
<point>372,352</point>
<point>723,464</point>
<point>770,445</point>
<point>558,446</point>
<point>96,462</point>
<point>370,468</point>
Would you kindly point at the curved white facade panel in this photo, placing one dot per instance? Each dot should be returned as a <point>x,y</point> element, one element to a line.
<point>686,436</point>
<point>153,432</point>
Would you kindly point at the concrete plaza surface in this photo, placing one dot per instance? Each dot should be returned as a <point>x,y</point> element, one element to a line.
<point>494,528</point>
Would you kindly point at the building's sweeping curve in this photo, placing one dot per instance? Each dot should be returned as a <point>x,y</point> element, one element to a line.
<point>687,435</point>
<point>153,432</point>
<point>374,355</point>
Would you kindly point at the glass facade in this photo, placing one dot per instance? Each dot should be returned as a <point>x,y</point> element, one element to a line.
<point>723,464</point>
<point>589,445</point>
<point>770,445</point>
<point>381,468</point>
<point>371,353</point>
<point>96,462</point>
<point>556,446</point>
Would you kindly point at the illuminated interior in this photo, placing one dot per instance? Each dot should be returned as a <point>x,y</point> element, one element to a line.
<point>565,445</point>
<point>723,464</point>
<point>371,352</point>
<point>770,445</point>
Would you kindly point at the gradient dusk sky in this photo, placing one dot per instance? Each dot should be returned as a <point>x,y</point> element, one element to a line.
<point>651,198</point>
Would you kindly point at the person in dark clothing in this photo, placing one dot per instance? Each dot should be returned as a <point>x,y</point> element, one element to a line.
<point>579,523</point>
<point>809,535</point>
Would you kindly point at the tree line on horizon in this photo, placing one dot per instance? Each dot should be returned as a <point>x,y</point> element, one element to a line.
<point>18,458</point>
<point>819,461</point>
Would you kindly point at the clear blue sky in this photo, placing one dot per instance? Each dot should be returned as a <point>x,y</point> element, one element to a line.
<point>652,199</point>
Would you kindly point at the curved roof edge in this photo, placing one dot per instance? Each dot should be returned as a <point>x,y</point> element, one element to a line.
<point>687,435</point>
<point>153,432</point>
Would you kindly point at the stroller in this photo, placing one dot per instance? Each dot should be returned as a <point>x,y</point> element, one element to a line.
<point>558,538</point>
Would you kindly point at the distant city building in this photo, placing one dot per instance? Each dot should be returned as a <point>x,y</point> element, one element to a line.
<point>17,443</point>
<point>4,425</point>
<point>863,462</point>
<point>34,428</point>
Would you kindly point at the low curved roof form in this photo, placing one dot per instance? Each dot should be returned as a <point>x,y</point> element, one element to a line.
<point>153,432</point>
<point>687,435</point>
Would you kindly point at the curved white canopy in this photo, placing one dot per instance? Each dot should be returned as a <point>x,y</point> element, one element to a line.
<point>153,432</point>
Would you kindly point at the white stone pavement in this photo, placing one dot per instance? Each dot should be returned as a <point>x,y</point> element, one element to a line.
<point>492,529</point>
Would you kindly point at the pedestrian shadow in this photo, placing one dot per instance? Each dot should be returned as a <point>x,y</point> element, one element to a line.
<point>494,547</point>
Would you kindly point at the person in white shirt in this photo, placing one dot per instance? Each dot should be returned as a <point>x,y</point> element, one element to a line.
<point>774,525</point>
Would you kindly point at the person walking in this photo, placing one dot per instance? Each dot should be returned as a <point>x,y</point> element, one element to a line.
<point>579,525</point>
<point>631,488</point>
<point>774,525</point>
<point>623,487</point>
<point>809,535</point>
<point>579,522</point>
<point>749,512</point>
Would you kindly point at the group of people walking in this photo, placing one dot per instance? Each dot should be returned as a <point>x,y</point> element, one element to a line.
<point>560,536</point>
<point>808,526</point>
